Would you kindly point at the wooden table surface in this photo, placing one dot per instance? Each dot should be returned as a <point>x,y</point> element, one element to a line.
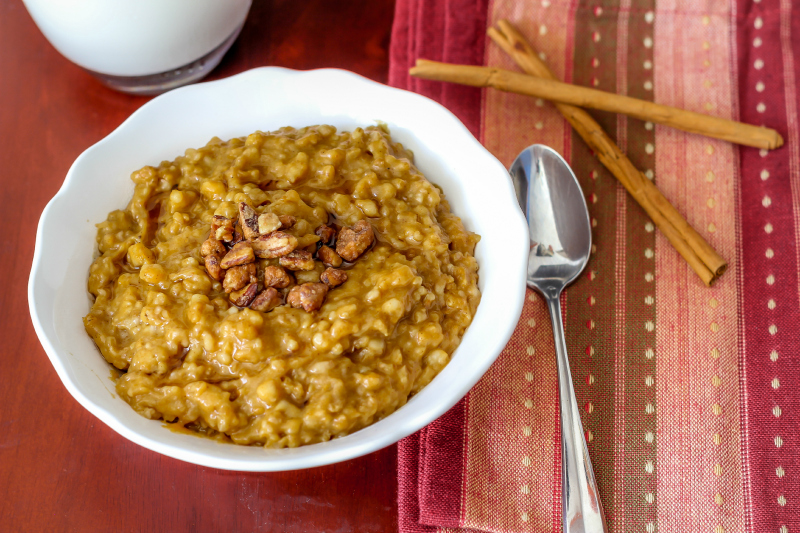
<point>61,469</point>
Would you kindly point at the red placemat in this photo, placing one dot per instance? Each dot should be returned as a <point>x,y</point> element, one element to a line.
<point>690,395</point>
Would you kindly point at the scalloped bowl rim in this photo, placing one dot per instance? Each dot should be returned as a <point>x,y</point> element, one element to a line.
<point>265,96</point>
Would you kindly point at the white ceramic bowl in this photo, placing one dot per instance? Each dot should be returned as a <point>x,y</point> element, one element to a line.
<point>475,183</point>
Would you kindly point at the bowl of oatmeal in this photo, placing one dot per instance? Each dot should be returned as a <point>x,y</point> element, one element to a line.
<point>278,270</point>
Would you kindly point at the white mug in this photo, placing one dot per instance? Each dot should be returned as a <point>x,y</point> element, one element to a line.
<point>141,46</point>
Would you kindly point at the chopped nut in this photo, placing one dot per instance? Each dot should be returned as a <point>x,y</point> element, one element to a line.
<point>329,257</point>
<point>267,300</point>
<point>240,254</point>
<point>352,242</point>
<point>239,276</point>
<point>212,266</point>
<point>212,246</point>
<point>308,296</point>
<point>298,260</point>
<point>248,220</point>
<point>333,277</point>
<point>326,233</point>
<point>222,228</point>
<point>243,297</point>
<point>275,244</point>
<point>287,221</point>
<point>275,276</point>
<point>237,236</point>
<point>268,222</point>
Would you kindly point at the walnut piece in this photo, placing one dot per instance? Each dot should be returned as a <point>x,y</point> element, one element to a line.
<point>268,222</point>
<point>352,242</point>
<point>267,300</point>
<point>222,228</point>
<point>287,221</point>
<point>237,236</point>
<point>212,266</point>
<point>240,254</point>
<point>275,276</point>
<point>308,296</point>
<point>275,244</point>
<point>329,257</point>
<point>326,233</point>
<point>239,276</point>
<point>333,277</point>
<point>243,297</point>
<point>298,260</point>
<point>212,246</point>
<point>248,220</point>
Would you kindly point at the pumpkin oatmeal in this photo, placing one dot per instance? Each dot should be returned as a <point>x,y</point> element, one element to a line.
<point>281,289</point>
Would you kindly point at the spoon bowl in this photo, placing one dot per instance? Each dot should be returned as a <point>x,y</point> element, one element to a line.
<point>558,219</point>
<point>561,242</point>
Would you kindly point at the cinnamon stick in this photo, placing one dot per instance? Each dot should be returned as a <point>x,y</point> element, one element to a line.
<point>693,248</point>
<point>565,93</point>
<point>703,259</point>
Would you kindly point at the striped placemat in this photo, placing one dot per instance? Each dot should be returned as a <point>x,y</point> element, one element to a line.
<point>690,395</point>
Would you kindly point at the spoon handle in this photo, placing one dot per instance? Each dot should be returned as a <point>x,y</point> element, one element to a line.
<point>582,511</point>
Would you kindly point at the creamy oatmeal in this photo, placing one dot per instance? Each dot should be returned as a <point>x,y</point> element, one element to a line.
<point>281,289</point>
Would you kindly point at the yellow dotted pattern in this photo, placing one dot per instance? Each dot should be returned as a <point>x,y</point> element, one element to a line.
<point>771,280</point>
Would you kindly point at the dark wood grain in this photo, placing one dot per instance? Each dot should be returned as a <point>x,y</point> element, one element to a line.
<point>60,468</point>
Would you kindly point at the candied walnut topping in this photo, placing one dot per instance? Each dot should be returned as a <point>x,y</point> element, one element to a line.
<point>268,222</point>
<point>239,276</point>
<point>267,300</point>
<point>333,277</point>
<point>275,244</point>
<point>298,260</point>
<point>243,297</point>
<point>248,220</point>
<point>308,296</point>
<point>275,276</point>
<point>237,237</point>
<point>212,266</point>
<point>352,242</point>
<point>287,221</point>
<point>328,257</point>
<point>326,233</point>
<point>240,254</point>
<point>222,228</point>
<point>212,246</point>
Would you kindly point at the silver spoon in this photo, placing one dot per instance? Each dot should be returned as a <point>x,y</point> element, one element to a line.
<point>561,241</point>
